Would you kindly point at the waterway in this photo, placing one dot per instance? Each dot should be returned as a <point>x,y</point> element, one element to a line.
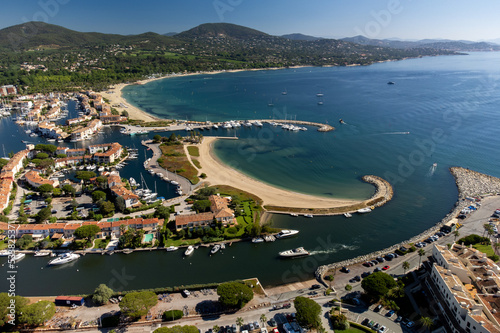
<point>441,110</point>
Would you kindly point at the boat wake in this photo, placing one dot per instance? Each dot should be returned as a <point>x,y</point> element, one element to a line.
<point>395,133</point>
<point>336,248</point>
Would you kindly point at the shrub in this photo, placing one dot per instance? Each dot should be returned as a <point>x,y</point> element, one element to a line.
<point>172,315</point>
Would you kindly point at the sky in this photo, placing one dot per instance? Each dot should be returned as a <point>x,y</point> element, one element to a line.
<point>403,19</point>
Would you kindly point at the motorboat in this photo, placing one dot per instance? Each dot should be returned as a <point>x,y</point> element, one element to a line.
<point>347,214</point>
<point>64,258</point>
<point>215,249</point>
<point>4,253</point>
<point>286,233</point>
<point>308,215</point>
<point>189,250</point>
<point>173,182</point>
<point>298,252</point>
<point>257,240</point>
<point>18,257</point>
<point>41,253</point>
<point>294,214</point>
<point>172,248</point>
<point>391,82</point>
<point>364,210</point>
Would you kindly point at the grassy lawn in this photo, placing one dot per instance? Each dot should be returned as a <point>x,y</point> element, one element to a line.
<point>193,151</point>
<point>351,330</point>
<point>100,243</point>
<point>181,242</point>
<point>196,163</point>
<point>174,160</point>
<point>485,249</point>
<point>3,245</point>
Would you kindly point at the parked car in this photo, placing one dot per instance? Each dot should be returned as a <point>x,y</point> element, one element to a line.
<point>398,319</point>
<point>410,324</point>
<point>386,267</point>
<point>382,329</point>
<point>315,286</point>
<point>272,322</point>
<point>390,313</point>
<point>345,269</point>
<point>251,327</point>
<point>378,308</point>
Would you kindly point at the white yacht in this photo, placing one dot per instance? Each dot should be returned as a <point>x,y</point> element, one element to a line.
<point>18,257</point>
<point>257,123</point>
<point>257,240</point>
<point>308,215</point>
<point>189,250</point>
<point>298,252</point>
<point>286,233</point>
<point>364,210</point>
<point>347,214</point>
<point>172,248</point>
<point>41,253</point>
<point>215,249</point>
<point>64,258</point>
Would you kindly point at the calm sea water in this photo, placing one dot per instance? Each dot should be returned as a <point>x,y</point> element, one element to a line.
<point>441,110</point>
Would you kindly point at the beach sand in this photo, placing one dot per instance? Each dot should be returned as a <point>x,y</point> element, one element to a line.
<point>221,174</point>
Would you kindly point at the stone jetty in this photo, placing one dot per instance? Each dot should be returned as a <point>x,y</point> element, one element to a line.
<point>471,184</point>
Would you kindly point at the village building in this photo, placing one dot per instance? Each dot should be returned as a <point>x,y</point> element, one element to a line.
<point>219,213</point>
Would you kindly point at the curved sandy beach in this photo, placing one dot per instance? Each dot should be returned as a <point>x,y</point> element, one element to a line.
<point>221,174</point>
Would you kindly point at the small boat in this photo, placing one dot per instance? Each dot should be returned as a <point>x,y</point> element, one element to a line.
<point>18,257</point>
<point>215,249</point>
<point>294,214</point>
<point>41,253</point>
<point>308,215</point>
<point>434,165</point>
<point>341,121</point>
<point>215,126</point>
<point>64,259</point>
<point>391,82</point>
<point>319,94</point>
<point>172,248</point>
<point>364,210</point>
<point>298,252</point>
<point>347,215</point>
<point>286,233</point>
<point>173,182</point>
<point>4,253</point>
<point>257,240</point>
<point>223,246</point>
<point>189,250</point>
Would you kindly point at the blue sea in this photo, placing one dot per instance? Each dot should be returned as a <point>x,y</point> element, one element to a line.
<point>440,110</point>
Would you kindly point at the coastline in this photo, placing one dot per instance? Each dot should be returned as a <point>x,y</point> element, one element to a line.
<point>116,99</point>
<point>218,173</point>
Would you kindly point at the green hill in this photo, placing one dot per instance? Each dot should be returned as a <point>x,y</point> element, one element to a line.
<point>221,30</point>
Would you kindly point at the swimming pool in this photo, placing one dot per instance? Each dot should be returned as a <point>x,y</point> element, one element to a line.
<point>148,238</point>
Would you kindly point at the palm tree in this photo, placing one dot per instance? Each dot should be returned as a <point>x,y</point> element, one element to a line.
<point>496,246</point>
<point>406,265</point>
<point>421,253</point>
<point>239,322</point>
<point>216,328</point>
<point>427,322</point>
<point>456,234</point>
<point>263,319</point>
<point>487,228</point>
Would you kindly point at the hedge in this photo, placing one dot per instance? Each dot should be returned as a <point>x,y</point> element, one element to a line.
<point>361,327</point>
<point>172,315</point>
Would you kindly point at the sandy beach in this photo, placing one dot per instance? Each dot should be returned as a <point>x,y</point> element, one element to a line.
<point>221,174</point>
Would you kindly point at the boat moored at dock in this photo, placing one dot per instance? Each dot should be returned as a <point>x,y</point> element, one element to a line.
<point>64,259</point>
<point>189,250</point>
<point>286,233</point>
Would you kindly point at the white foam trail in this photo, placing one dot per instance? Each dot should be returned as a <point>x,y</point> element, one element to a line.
<point>335,249</point>
<point>395,133</point>
<point>432,170</point>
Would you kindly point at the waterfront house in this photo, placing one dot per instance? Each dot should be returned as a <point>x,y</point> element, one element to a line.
<point>110,153</point>
<point>118,189</point>
<point>35,180</point>
<point>5,188</point>
<point>219,212</point>
<point>15,164</point>
<point>8,90</point>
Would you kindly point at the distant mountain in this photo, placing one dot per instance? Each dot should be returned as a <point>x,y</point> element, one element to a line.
<point>40,35</point>
<point>227,30</point>
<point>438,44</point>
<point>298,36</point>
<point>170,34</point>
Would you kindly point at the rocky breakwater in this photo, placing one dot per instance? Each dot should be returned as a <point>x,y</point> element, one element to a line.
<point>471,184</point>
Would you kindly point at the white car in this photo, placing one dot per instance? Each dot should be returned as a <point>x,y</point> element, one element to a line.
<point>382,329</point>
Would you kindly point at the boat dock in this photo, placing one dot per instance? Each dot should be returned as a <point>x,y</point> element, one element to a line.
<point>321,127</point>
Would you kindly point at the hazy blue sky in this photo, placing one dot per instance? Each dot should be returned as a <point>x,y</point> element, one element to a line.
<point>407,19</point>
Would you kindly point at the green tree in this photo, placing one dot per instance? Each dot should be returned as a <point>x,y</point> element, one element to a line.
<point>456,233</point>
<point>42,156</point>
<point>263,320</point>
<point>102,294</point>
<point>17,302</point>
<point>486,228</point>
<point>157,138</point>
<point>421,253</point>
<point>85,175</point>
<point>216,328</point>
<point>234,294</point>
<point>239,321</point>
<point>24,242</point>
<point>137,304</point>
<point>162,212</point>
<point>378,284</point>
<point>45,189</point>
<point>339,321</point>
<point>307,312</point>
<point>406,265</point>
<point>98,196</point>
<point>426,322</point>
<point>201,206</point>
<point>107,208</point>
<point>69,190</point>
<point>177,329</point>
<point>87,231</point>
<point>38,313</point>
<point>120,204</point>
